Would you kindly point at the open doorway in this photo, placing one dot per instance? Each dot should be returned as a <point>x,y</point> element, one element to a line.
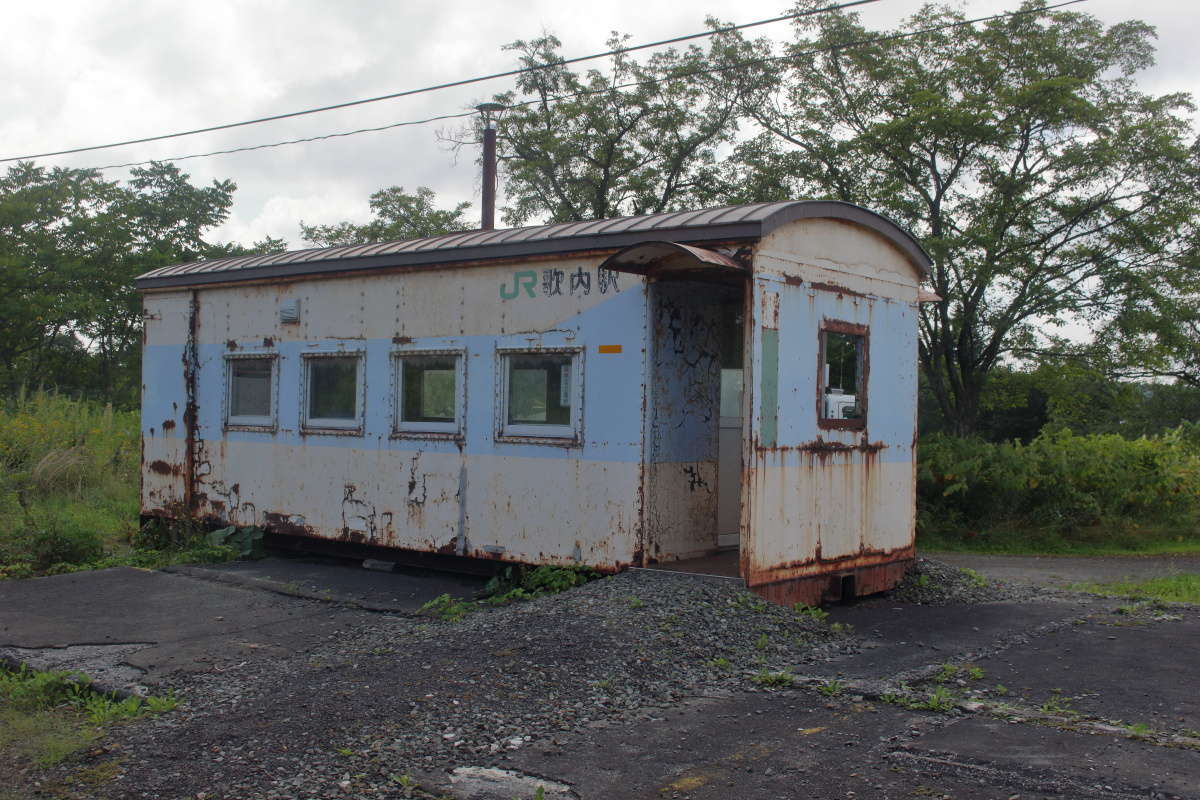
<point>694,425</point>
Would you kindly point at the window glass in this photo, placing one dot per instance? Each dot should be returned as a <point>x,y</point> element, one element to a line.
<point>429,388</point>
<point>843,375</point>
<point>539,389</point>
<point>250,387</point>
<point>333,388</point>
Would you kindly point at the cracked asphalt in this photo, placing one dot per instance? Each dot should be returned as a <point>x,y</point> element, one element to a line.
<point>294,688</point>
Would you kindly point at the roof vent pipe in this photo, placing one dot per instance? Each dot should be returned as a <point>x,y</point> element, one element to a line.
<point>490,112</point>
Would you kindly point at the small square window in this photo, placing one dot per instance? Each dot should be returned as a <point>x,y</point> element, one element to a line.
<point>333,397</point>
<point>542,393</point>
<point>842,397</point>
<point>250,391</point>
<point>429,393</point>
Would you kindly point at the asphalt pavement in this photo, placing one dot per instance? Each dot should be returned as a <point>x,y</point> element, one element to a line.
<point>1068,697</point>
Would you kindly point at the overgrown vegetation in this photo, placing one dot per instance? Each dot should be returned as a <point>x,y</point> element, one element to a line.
<point>516,583</point>
<point>46,717</point>
<point>1061,492</point>
<point>69,492</point>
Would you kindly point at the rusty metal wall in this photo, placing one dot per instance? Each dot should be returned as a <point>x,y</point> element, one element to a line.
<point>818,499</point>
<point>639,483</point>
<point>167,319</point>
<point>480,494</point>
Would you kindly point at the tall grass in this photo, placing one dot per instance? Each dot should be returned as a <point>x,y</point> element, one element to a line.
<point>68,482</point>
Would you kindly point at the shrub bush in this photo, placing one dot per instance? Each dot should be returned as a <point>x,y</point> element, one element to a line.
<point>1059,481</point>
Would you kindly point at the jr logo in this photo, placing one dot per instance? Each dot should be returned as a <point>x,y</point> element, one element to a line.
<point>524,279</point>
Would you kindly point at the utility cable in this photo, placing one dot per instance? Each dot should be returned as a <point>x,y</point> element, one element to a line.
<point>606,89</point>
<point>448,85</point>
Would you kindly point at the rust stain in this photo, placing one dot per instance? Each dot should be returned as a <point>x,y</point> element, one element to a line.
<point>163,468</point>
<point>268,341</point>
<point>792,280</point>
<point>231,344</point>
<point>402,340</point>
<point>836,288</point>
<point>276,522</point>
<point>168,425</point>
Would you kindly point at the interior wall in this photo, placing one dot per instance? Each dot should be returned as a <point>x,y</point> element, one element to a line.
<point>682,411</point>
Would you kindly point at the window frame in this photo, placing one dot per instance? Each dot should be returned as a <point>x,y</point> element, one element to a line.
<point>413,429</point>
<point>328,425</point>
<point>268,423</point>
<point>864,374</point>
<point>561,435</point>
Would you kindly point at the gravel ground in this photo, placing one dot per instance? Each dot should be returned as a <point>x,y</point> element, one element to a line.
<point>935,583</point>
<point>390,696</point>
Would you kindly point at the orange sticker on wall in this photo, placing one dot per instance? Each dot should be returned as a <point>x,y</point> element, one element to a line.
<point>610,348</point>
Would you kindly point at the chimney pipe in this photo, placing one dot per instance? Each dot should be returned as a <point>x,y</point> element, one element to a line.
<point>488,211</point>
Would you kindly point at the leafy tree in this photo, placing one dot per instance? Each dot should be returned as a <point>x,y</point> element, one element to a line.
<point>71,244</point>
<point>1157,331</point>
<point>1044,184</point>
<point>638,138</point>
<point>264,246</point>
<point>398,215</point>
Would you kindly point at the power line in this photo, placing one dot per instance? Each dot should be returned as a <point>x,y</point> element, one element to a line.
<point>633,84</point>
<point>448,85</point>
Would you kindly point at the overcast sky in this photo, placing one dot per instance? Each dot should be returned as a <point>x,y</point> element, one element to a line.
<point>95,71</point>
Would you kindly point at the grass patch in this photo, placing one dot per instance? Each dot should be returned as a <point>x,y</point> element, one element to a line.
<point>1183,588</point>
<point>48,717</point>
<point>69,493</point>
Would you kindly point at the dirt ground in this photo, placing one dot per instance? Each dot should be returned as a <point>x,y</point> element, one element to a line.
<point>614,690</point>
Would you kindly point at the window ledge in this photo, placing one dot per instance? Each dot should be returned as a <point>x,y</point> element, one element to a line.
<point>842,424</point>
<point>553,441</point>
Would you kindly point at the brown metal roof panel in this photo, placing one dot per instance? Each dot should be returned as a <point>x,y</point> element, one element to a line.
<point>600,226</point>
<point>568,230</point>
<point>439,243</point>
<point>727,214</point>
<point>520,234</point>
<point>383,248</point>
<point>618,225</point>
<point>476,239</point>
<point>679,219</point>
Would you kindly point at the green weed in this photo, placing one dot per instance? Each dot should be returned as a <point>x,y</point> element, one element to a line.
<point>812,612</point>
<point>447,608</point>
<point>945,673</point>
<point>774,680</point>
<point>761,642</point>
<point>1058,704</point>
<point>1139,729</point>
<point>832,688</point>
<point>520,582</point>
<point>940,699</point>
<point>719,663</point>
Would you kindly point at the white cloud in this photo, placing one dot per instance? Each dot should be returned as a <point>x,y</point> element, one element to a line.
<point>88,71</point>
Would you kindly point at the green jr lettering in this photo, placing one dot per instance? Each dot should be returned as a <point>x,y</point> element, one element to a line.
<point>522,279</point>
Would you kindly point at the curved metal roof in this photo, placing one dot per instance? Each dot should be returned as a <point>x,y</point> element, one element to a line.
<point>714,224</point>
